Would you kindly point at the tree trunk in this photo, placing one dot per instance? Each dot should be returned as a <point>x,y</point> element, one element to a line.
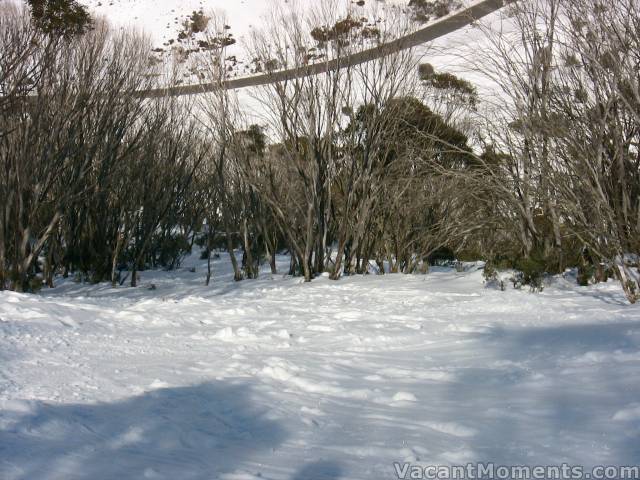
<point>134,274</point>
<point>248,255</point>
<point>114,259</point>
<point>292,262</point>
<point>306,269</point>
<point>210,237</point>
<point>237,274</point>
<point>335,275</point>
<point>347,257</point>
<point>49,268</point>
<point>208,267</point>
<point>306,263</point>
<point>3,278</point>
<point>272,263</point>
<point>380,263</point>
<point>629,281</point>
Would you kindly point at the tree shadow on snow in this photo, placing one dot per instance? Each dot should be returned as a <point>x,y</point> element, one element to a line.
<point>610,298</point>
<point>195,432</point>
<point>321,470</point>
<point>549,395</point>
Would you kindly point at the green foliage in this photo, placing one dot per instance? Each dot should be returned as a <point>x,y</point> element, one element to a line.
<point>338,33</point>
<point>172,249</point>
<point>533,269</point>
<point>253,139</point>
<point>426,71</point>
<point>65,18</point>
<point>199,22</point>
<point>35,284</point>
<point>448,84</point>
<point>468,255</point>
<point>585,275</point>
<point>416,126</point>
<point>448,81</point>
<point>30,284</point>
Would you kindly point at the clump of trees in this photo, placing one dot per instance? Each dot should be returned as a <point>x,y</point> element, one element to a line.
<point>560,165</point>
<point>383,166</point>
<point>89,169</point>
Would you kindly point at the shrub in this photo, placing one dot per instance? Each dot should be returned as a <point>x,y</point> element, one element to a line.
<point>426,71</point>
<point>60,17</point>
<point>172,250</point>
<point>489,272</point>
<point>35,284</point>
<point>425,10</point>
<point>198,22</point>
<point>339,32</point>
<point>491,277</point>
<point>517,280</point>
<point>533,270</point>
<point>585,275</point>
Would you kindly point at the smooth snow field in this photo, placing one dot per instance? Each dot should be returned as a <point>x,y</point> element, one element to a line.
<point>278,379</point>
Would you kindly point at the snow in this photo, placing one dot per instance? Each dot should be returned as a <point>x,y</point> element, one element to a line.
<point>163,20</point>
<point>278,379</point>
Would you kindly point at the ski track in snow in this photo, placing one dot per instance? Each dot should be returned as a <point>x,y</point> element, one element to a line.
<point>277,379</point>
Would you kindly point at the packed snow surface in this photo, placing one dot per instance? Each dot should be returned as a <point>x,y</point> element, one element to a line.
<point>278,379</point>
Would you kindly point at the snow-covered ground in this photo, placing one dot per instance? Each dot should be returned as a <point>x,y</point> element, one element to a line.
<point>163,20</point>
<point>277,379</point>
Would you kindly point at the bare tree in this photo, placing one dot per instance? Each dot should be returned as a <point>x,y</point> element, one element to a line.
<point>84,94</point>
<point>597,130</point>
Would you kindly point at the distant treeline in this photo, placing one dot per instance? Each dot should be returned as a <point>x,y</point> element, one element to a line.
<point>387,166</point>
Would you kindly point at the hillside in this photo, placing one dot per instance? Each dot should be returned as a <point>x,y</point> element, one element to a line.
<point>177,28</point>
<point>278,379</point>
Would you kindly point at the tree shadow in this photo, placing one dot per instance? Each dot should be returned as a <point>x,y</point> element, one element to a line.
<point>548,395</point>
<point>610,298</point>
<point>320,470</point>
<point>195,432</point>
<point>564,339</point>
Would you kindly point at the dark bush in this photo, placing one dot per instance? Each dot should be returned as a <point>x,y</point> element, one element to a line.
<point>585,275</point>
<point>426,10</point>
<point>425,71</point>
<point>441,256</point>
<point>172,250</point>
<point>199,22</point>
<point>65,18</point>
<point>533,271</point>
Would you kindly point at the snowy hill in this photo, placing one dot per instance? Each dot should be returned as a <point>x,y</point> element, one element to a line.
<point>162,20</point>
<point>169,23</point>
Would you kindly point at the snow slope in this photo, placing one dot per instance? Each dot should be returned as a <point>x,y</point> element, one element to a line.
<point>277,379</point>
<point>162,20</point>
<point>165,21</point>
